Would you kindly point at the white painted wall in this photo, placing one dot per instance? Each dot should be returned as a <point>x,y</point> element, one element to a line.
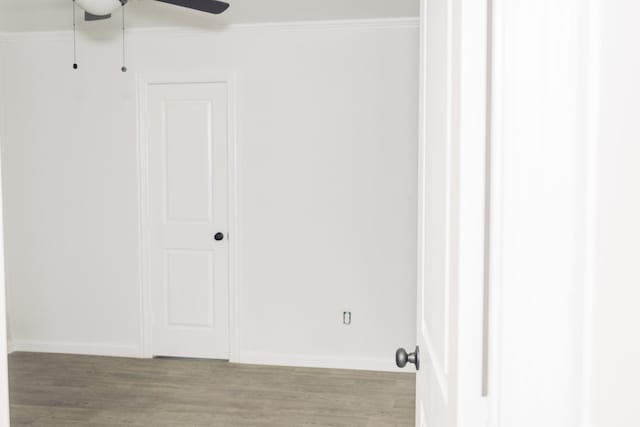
<point>566,206</point>
<point>616,267</point>
<point>327,142</point>
<point>538,205</point>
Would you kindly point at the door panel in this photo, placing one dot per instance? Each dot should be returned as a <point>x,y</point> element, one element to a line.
<point>194,308</point>
<point>453,209</point>
<point>435,228</point>
<point>188,184</point>
<point>187,206</point>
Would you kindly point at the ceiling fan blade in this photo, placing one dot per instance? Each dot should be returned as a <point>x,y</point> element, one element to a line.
<point>210,6</point>
<point>91,17</point>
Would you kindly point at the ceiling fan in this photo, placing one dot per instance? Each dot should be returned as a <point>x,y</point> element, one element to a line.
<point>96,10</point>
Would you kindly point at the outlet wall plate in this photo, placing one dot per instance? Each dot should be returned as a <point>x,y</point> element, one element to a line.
<point>346,317</point>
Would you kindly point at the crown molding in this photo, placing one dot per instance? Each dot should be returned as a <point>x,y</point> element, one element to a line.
<point>350,24</point>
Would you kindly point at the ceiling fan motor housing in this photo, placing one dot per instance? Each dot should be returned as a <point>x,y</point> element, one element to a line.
<point>100,7</point>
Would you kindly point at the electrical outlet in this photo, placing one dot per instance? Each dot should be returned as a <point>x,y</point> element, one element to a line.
<point>346,317</point>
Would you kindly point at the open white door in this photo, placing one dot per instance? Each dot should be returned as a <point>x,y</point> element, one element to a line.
<point>436,226</point>
<point>451,278</point>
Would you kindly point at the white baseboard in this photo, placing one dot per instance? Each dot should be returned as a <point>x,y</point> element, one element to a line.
<point>88,349</point>
<point>253,358</point>
<point>310,361</point>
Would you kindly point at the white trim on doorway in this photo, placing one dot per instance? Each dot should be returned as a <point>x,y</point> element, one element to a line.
<point>4,369</point>
<point>144,81</point>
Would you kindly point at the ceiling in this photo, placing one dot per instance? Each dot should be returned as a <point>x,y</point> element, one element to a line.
<point>50,15</point>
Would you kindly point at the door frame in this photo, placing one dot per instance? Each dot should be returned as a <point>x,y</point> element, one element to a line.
<point>144,81</point>
<point>4,353</point>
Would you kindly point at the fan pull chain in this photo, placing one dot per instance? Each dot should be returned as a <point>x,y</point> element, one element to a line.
<point>124,66</point>
<point>75,50</point>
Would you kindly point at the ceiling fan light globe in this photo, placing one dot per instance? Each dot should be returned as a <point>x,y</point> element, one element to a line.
<point>99,7</point>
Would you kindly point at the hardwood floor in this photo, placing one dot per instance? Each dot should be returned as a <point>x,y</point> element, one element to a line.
<point>65,390</point>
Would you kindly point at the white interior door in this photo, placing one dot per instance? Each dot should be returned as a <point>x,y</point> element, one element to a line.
<point>436,227</point>
<point>452,233</point>
<point>188,213</point>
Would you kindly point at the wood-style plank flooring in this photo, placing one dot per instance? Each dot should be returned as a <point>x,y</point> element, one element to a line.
<point>69,391</point>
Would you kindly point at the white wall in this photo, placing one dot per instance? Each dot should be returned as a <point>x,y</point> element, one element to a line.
<point>567,199</point>
<point>539,202</point>
<point>616,288</point>
<point>327,140</point>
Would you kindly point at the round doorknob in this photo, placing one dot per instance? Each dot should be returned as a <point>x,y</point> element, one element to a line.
<point>218,237</point>
<point>402,358</point>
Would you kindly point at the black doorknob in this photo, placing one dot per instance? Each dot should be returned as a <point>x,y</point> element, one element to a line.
<point>219,236</point>
<point>402,358</point>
